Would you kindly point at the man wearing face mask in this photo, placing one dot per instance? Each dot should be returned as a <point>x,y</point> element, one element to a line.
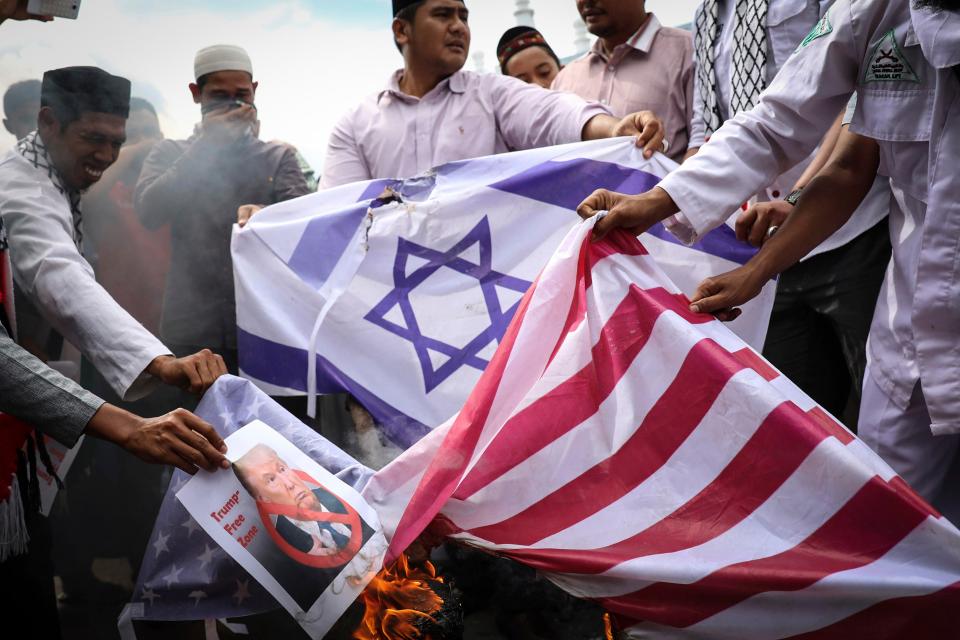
<point>902,59</point>
<point>197,185</point>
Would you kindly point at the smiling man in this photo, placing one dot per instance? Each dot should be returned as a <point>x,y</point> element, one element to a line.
<point>432,111</point>
<point>83,112</point>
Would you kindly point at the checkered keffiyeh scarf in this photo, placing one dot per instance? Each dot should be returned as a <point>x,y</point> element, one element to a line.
<point>32,148</point>
<point>749,57</point>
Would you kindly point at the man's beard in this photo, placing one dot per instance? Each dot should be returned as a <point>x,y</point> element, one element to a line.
<point>937,5</point>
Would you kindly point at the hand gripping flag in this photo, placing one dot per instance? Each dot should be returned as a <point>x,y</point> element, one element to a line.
<point>185,575</point>
<point>401,300</point>
<point>646,458</point>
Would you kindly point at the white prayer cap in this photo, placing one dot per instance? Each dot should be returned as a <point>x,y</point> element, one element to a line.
<point>221,57</point>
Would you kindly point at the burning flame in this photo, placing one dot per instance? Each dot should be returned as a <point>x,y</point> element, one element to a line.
<point>396,599</point>
<point>607,627</point>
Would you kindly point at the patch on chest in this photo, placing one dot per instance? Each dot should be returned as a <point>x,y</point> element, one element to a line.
<point>819,30</point>
<point>888,64</point>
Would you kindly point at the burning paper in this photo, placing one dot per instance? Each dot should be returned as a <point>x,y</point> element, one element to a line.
<point>305,536</point>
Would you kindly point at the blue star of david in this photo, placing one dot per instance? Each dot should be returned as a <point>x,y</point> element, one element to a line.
<point>488,280</point>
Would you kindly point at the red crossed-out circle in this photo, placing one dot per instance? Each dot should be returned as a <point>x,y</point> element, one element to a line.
<point>351,518</point>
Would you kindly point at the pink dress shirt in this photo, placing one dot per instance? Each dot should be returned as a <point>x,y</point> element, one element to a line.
<point>468,115</point>
<point>652,71</point>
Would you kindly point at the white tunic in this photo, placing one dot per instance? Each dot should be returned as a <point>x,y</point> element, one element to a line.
<point>915,328</point>
<point>936,300</point>
<point>52,273</point>
<point>788,22</point>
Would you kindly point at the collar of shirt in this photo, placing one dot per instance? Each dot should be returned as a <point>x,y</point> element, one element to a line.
<point>32,148</point>
<point>938,33</point>
<point>454,84</point>
<point>641,41</point>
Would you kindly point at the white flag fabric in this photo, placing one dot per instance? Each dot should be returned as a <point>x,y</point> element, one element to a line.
<point>403,299</point>
<point>647,458</point>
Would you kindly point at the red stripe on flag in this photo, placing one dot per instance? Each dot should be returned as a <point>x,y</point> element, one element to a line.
<point>911,496</point>
<point>831,426</point>
<point>929,617</point>
<point>619,243</point>
<point>671,420</point>
<point>444,471</point>
<point>750,359</point>
<point>577,398</point>
<point>578,306</point>
<point>864,529</point>
<point>781,443</point>
<point>443,475</point>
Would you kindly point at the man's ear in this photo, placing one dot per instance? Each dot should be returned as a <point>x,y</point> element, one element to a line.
<point>401,32</point>
<point>47,121</point>
<point>195,92</point>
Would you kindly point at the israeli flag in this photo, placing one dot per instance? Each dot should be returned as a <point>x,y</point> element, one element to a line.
<point>398,291</point>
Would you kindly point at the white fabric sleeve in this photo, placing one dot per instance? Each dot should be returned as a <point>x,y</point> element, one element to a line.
<point>750,150</point>
<point>344,162</point>
<point>50,270</point>
<point>530,116</point>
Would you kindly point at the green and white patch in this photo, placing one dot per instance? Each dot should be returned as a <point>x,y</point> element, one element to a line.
<point>819,30</point>
<point>888,64</point>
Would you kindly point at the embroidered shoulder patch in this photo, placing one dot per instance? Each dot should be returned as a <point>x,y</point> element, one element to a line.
<point>888,64</point>
<point>819,30</point>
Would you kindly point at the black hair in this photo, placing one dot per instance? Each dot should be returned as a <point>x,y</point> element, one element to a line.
<point>142,104</point>
<point>66,112</point>
<point>20,94</point>
<point>407,14</point>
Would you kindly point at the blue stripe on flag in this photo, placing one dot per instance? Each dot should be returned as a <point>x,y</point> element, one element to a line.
<point>325,238</point>
<point>567,183</point>
<point>286,366</point>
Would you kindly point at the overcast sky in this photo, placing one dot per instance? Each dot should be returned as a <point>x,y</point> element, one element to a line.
<point>313,58</point>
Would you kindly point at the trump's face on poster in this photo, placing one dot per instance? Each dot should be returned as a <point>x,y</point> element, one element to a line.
<point>270,479</point>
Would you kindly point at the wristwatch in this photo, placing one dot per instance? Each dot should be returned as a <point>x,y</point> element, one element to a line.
<point>793,196</point>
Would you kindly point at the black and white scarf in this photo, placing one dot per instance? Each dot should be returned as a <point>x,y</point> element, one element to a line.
<point>32,148</point>
<point>749,57</point>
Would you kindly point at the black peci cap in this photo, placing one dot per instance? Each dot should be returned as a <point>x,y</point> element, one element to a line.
<point>80,89</point>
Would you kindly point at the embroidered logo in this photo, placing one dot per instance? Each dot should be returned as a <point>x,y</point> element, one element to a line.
<point>819,30</point>
<point>888,64</point>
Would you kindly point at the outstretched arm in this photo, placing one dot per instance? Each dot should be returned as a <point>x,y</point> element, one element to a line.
<point>826,204</point>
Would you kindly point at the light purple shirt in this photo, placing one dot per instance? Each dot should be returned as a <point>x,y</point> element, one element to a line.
<point>653,70</point>
<point>468,115</point>
<point>936,303</point>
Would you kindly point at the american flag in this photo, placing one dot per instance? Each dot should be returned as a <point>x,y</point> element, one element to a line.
<point>645,457</point>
